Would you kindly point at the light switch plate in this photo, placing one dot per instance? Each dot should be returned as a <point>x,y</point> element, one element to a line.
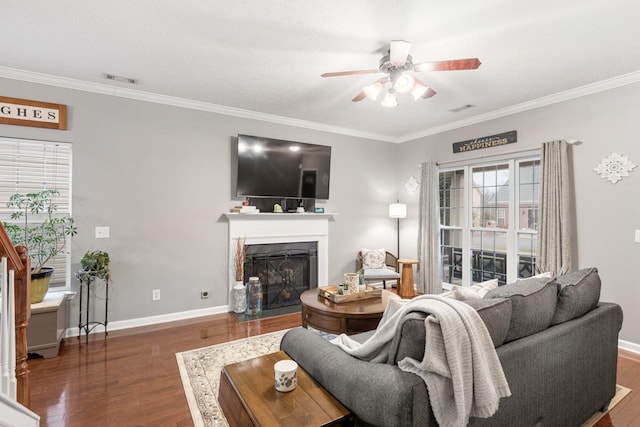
<point>637,236</point>
<point>102,232</point>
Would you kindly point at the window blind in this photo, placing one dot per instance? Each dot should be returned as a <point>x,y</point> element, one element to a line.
<point>29,166</point>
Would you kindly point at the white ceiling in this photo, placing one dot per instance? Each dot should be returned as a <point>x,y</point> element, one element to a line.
<point>263,58</point>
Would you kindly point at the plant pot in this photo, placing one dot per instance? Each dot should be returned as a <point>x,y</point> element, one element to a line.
<point>40,284</point>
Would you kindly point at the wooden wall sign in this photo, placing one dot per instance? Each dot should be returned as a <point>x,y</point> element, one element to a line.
<point>486,142</point>
<point>22,112</point>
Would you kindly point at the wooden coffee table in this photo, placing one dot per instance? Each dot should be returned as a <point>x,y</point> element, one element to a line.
<point>247,397</point>
<point>347,317</point>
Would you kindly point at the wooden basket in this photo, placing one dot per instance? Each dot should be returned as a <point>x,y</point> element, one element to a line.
<point>331,293</point>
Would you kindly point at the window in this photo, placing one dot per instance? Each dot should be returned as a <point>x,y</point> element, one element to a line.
<point>28,166</point>
<point>488,221</point>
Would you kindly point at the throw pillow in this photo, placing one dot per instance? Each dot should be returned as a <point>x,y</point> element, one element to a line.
<point>484,287</point>
<point>578,293</point>
<point>373,258</point>
<point>477,291</point>
<point>533,303</point>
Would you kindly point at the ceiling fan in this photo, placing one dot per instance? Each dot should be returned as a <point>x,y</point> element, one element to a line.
<point>396,65</point>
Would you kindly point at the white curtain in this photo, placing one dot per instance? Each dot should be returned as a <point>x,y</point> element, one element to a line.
<point>554,226</point>
<point>429,280</point>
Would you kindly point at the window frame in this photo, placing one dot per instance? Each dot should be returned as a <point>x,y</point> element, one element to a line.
<point>39,165</point>
<point>512,217</point>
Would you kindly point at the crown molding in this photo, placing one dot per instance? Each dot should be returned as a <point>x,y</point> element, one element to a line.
<point>590,89</point>
<point>103,89</point>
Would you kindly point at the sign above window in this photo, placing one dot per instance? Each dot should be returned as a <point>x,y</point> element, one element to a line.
<point>486,142</point>
<point>23,112</point>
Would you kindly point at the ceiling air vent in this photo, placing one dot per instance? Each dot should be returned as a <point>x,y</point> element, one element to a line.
<point>120,79</point>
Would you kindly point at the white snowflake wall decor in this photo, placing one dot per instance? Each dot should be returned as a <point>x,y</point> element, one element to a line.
<point>615,167</point>
<point>412,185</point>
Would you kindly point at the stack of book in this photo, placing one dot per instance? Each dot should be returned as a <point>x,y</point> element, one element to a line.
<point>245,209</point>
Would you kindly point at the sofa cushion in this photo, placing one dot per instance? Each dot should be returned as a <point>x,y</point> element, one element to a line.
<point>496,315</point>
<point>533,304</point>
<point>578,293</point>
<point>409,341</point>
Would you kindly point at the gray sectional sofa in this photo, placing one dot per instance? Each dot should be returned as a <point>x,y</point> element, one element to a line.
<point>556,342</point>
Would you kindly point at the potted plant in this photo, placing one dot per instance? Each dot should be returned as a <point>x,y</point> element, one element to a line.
<point>43,233</point>
<point>95,264</point>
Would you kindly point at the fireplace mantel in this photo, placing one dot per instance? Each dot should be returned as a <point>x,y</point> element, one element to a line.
<point>262,228</point>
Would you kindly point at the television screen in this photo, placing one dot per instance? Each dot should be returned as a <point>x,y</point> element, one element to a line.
<point>276,168</point>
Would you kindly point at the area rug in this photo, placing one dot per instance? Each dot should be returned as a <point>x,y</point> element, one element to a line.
<point>621,393</point>
<point>200,373</point>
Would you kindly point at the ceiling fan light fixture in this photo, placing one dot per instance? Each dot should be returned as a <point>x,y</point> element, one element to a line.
<point>418,90</point>
<point>404,83</point>
<point>390,99</point>
<point>373,90</point>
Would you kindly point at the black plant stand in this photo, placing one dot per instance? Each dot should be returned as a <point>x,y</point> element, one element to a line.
<point>86,278</point>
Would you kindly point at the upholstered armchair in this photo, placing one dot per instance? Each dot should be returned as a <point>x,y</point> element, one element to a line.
<point>378,265</point>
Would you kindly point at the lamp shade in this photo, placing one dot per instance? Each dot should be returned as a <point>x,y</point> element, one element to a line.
<point>397,210</point>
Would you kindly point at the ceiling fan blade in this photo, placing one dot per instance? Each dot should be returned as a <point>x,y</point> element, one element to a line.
<point>398,52</point>
<point>359,97</point>
<point>450,65</point>
<point>349,73</point>
<point>429,92</point>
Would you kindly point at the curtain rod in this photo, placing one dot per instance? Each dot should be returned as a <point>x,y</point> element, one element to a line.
<point>524,150</point>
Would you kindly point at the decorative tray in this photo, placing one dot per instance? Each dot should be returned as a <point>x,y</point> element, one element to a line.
<point>331,293</point>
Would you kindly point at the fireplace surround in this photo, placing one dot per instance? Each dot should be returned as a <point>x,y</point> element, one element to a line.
<point>282,228</point>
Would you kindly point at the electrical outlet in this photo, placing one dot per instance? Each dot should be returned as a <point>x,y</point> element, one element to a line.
<point>155,294</point>
<point>637,238</point>
<point>204,294</point>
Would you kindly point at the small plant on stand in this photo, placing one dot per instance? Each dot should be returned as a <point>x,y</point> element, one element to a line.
<point>239,292</point>
<point>96,264</point>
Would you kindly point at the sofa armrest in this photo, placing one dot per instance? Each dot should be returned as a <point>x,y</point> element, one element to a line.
<point>377,393</point>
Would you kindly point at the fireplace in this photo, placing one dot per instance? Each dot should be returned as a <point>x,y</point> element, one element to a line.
<point>285,271</point>
<point>264,229</point>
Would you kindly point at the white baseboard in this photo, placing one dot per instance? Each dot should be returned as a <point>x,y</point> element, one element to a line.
<point>629,346</point>
<point>152,320</point>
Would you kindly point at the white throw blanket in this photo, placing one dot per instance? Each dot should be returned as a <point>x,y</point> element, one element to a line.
<point>460,367</point>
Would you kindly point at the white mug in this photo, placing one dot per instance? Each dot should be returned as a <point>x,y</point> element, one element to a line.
<point>286,375</point>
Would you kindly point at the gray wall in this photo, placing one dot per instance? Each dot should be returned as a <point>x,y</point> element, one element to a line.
<point>606,214</point>
<point>160,177</point>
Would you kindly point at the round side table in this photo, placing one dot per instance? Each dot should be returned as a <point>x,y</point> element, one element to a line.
<point>405,289</point>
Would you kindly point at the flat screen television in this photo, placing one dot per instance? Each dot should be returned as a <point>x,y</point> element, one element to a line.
<point>276,168</point>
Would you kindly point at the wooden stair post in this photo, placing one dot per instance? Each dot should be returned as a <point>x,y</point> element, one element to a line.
<point>23,313</point>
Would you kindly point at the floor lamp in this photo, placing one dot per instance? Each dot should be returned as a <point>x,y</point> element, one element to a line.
<point>398,210</point>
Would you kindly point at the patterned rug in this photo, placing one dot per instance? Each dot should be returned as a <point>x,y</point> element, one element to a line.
<point>200,373</point>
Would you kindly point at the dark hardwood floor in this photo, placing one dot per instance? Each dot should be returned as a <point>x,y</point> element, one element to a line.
<point>131,378</point>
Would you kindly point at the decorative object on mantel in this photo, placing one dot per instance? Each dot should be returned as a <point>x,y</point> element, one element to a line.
<point>615,167</point>
<point>412,185</point>
<point>486,142</point>
<point>239,290</point>
<point>277,208</point>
